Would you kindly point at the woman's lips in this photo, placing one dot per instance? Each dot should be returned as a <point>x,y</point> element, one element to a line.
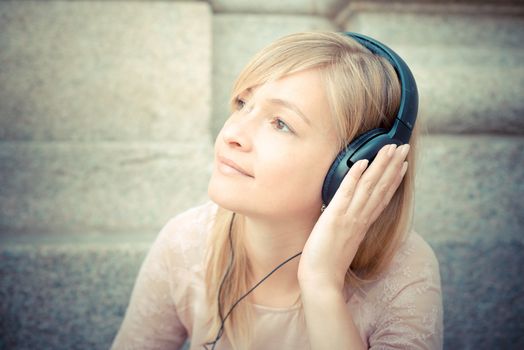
<point>228,166</point>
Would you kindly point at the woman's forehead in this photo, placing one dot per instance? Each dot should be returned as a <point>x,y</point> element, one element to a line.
<point>304,89</point>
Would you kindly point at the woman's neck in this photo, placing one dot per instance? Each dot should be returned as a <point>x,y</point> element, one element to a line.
<point>269,243</point>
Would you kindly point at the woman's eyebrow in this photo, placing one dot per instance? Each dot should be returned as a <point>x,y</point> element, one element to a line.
<point>291,106</point>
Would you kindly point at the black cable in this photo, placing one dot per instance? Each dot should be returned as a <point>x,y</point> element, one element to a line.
<point>226,274</point>
<point>223,320</point>
<point>230,266</point>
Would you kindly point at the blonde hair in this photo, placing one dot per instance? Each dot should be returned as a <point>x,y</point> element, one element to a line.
<point>364,93</point>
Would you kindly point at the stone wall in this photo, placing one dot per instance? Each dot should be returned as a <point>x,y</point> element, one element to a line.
<point>108,110</point>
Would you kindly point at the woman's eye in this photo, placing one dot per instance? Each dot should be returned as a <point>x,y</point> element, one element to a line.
<point>239,103</point>
<point>280,125</point>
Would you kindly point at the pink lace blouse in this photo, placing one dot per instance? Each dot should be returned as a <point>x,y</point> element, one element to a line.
<point>401,310</point>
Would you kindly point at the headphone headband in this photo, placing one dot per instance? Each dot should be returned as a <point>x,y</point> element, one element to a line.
<point>367,145</point>
<point>408,107</point>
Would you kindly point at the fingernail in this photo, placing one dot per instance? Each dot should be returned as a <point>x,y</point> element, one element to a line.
<point>404,150</point>
<point>391,149</point>
<point>404,168</point>
<point>364,163</point>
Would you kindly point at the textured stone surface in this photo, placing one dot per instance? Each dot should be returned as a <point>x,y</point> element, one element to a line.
<point>71,296</point>
<point>470,188</point>
<point>331,8</point>
<point>439,28</point>
<point>483,294</point>
<point>294,7</point>
<point>98,187</point>
<point>65,297</point>
<point>236,39</point>
<point>445,2</point>
<point>469,90</point>
<point>469,68</point>
<point>94,70</point>
<point>467,186</point>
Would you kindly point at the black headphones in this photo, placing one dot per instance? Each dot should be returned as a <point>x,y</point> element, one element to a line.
<point>367,145</point>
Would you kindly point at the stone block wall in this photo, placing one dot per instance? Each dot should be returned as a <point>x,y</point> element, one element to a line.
<point>105,110</point>
<point>108,111</point>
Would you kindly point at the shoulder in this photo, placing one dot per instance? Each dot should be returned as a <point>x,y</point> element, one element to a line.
<point>407,299</point>
<point>414,254</point>
<point>414,269</point>
<point>194,220</point>
<point>183,237</point>
<point>192,224</point>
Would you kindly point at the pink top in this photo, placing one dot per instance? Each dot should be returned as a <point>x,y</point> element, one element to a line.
<point>401,310</point>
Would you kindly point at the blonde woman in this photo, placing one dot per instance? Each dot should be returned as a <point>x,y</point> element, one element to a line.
<point>265,264</point>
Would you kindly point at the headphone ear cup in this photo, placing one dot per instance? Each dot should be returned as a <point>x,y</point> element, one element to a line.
<point>365,146</point>
<point>330,179</point>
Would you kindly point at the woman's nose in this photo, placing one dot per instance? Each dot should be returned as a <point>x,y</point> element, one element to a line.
<point>238,134</point>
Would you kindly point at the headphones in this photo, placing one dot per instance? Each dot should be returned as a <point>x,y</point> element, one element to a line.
<point>367,145</point>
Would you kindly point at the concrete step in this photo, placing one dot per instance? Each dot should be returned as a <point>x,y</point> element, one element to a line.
<point>65,296</point>
<point>133,71</point>
<point>468,64</point>
<point>467,186</point>
<point>331,8</point>
<point>469,89</point>
<point>99,187</point>
<point>445,25</point>
<point>470,187</point>
<point>57,295</point>
<point>293,7</point>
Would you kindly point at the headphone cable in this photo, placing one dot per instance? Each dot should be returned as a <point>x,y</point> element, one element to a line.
<point>228,271</point>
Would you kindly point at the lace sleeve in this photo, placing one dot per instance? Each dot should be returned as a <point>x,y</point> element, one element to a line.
<point>151,320</point>
<point>412,301</point>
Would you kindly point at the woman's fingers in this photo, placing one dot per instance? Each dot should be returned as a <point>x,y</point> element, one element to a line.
<point>362,195</point>
<point>387,198</point>
<point>387,182</point>
<point>367,186</point>
<point>346,190</point>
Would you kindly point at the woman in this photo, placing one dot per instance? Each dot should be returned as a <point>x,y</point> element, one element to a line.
<point>363,280</point>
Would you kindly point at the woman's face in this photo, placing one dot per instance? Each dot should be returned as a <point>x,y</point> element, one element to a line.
<point>274,151</point>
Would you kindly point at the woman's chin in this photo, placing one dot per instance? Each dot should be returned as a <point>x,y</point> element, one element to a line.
<point>249,201</point>
<point>227,199</point>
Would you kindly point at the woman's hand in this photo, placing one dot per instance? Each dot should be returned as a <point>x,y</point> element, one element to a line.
<point>358,202</point>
